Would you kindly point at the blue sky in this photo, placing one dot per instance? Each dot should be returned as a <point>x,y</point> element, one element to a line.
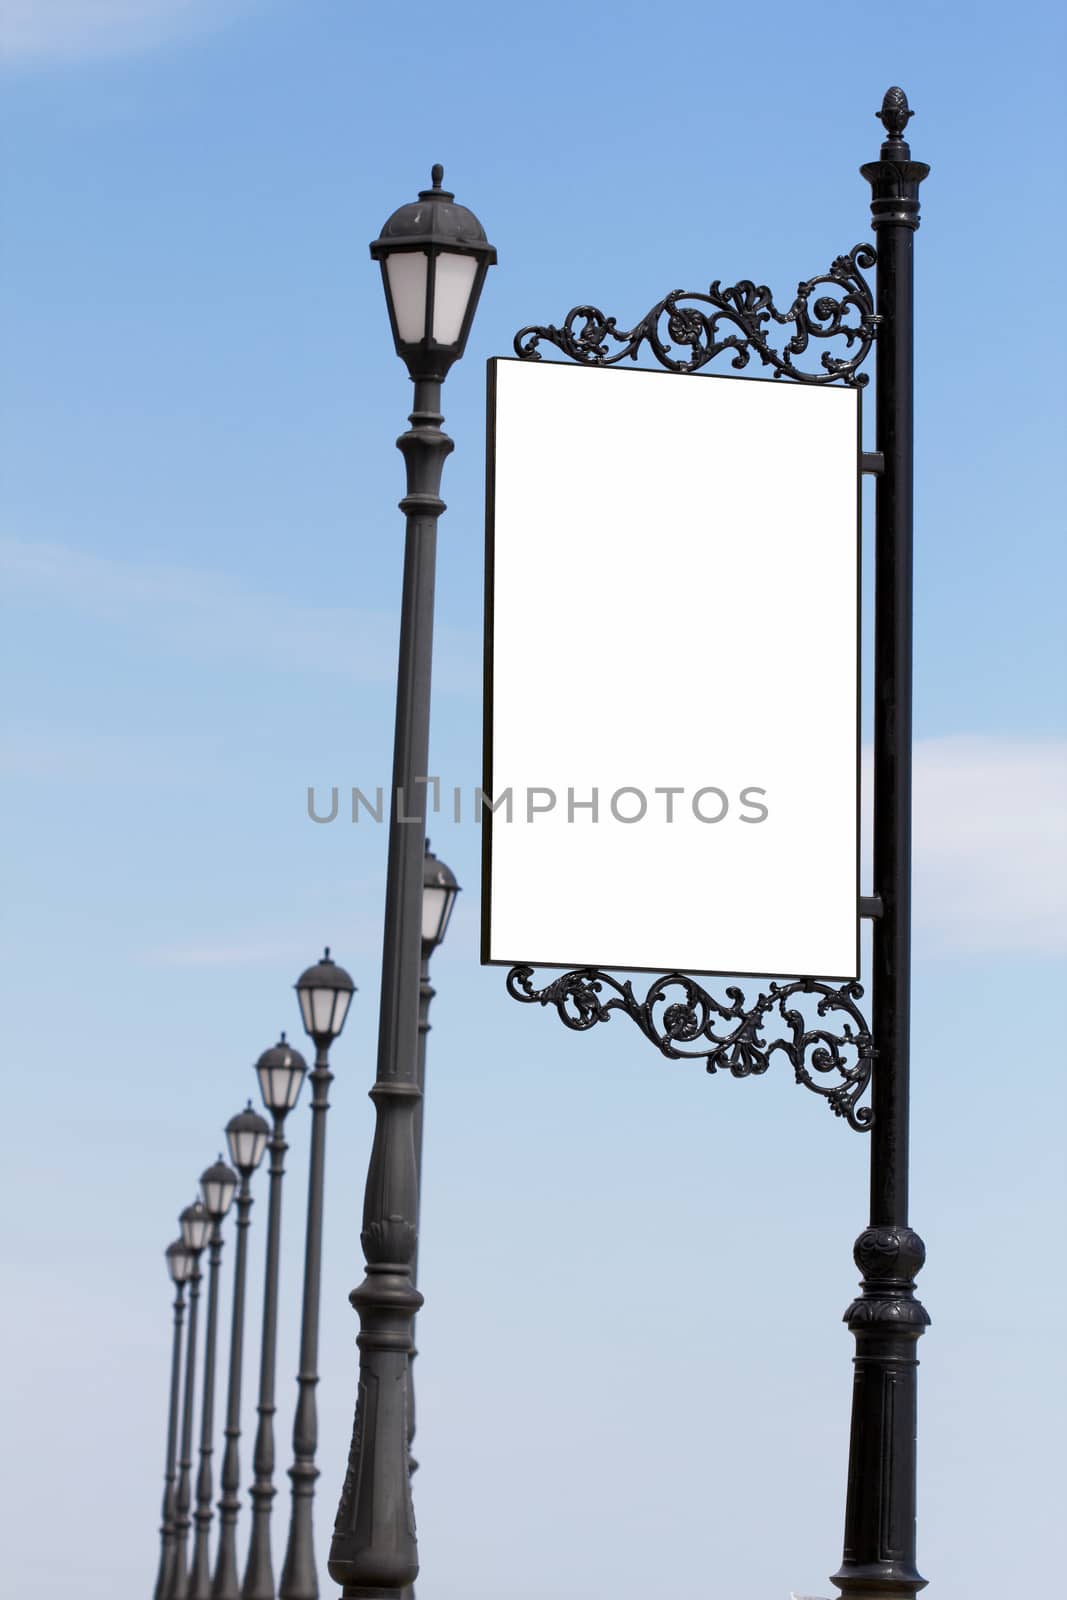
<point>632,1363</point>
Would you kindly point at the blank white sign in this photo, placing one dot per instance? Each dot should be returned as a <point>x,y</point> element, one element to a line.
<point>672,663</point>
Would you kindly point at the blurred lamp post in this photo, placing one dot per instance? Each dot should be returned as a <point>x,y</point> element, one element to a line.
<point>439,891</point>
<point>217,1185</point>
<point>434,257</point>
<point>195,1226</point>
<point>180,1267</point>
<point>325,992</point>
<point>246,1135</point>
<point>281,1071</point>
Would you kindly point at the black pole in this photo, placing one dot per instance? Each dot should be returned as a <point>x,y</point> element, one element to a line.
<point>178,1586</point>
<point>200,1578</point>
<point>887,1320</point>
<point>374,1551</point>
<point>299,1579</point>
<point>227,1584</point>
<point>259,1573</point>
<point>170,1475</point>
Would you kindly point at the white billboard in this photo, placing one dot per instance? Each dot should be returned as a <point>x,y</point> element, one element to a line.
<point>672,650</point>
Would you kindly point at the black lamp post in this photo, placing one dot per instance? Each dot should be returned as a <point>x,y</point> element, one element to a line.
<point>434,256</point>
<point>325,992</point>
<point>180,1267</point>
<point>195,1226</point>
<point>246,1135</point>
<point>218,1185</point>
<point>281,1071</point>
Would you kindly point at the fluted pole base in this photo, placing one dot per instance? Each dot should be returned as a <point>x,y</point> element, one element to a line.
<point>886,1320</point>
<point>299,1579</point>
<point>259,1574</point>
<point>227,1583</point>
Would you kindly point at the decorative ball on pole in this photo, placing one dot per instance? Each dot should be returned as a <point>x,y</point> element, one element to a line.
<point>195,1227</point>
<point>246,1135</point>
<point>434,257</point>
<point>218,1185</point>
<point>325,992</point>
<point>280,1071</point>
<point>180,1266</point>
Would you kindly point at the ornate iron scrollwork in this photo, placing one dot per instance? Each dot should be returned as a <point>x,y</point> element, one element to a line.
<point>848,314</point>
<point>832,1058</point>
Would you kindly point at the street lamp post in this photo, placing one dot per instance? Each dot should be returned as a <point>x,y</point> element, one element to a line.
<point>180,1267</point>
<point>195,1226</point>
<point>847,1054</point>
<point>434,257</point>
<point>325,992</point>
<point>439,891</point>
<point>281,1071</point>
<point>217,1185</point>
<point>246,1135</point>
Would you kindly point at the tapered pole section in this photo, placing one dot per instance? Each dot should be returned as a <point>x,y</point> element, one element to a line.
<point>226,1585</point>
<point>200,1578</point>
<point>178,1586</point>
<point>299,1580</point>
<point>170,1475</point>
<point>887,1320</point>
<point>259,1573</point>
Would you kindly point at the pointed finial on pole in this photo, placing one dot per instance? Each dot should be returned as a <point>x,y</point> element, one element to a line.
<point>894,117</point>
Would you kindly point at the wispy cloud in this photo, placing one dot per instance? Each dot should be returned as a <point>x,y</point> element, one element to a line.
<point>990,849</point>
<point>38,31</point>
<point>210,616</point>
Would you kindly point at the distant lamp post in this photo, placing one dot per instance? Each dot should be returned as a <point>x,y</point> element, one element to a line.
<point>280,1071</point>
<point>218,1186</point>
<point>180,1267</point>
<point>434,256</point>
<point>246,1134</point>
<point>195,1225</point>
<point>325,992</point>
<point>439,891</point>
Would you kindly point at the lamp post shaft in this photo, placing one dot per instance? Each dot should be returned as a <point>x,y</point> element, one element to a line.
<point>299,1579</point>
<point>886,1319</point>
<point>178,1584</point>
<point>226,1585</point>
<point>374,1551</point>
<point>170,1475</point>
<point>259,1573</point>
<point>200,1578</point>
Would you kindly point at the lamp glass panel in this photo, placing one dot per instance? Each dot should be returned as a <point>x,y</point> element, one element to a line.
<point>246,1147</point>
<point>180,1263</point>
<point>195,1231</point>
<point>280,1085</point>
<point>453,283</point>
<point>344,998</point>
<point>322,1010</point>
<point>304,996</point>
<point>218,1197</point>
<point>434,905</point>
<point>406,273</point>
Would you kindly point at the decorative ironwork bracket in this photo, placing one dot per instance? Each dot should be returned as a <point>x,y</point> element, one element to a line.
<point>847,313</point>
<point>730,1034</point>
